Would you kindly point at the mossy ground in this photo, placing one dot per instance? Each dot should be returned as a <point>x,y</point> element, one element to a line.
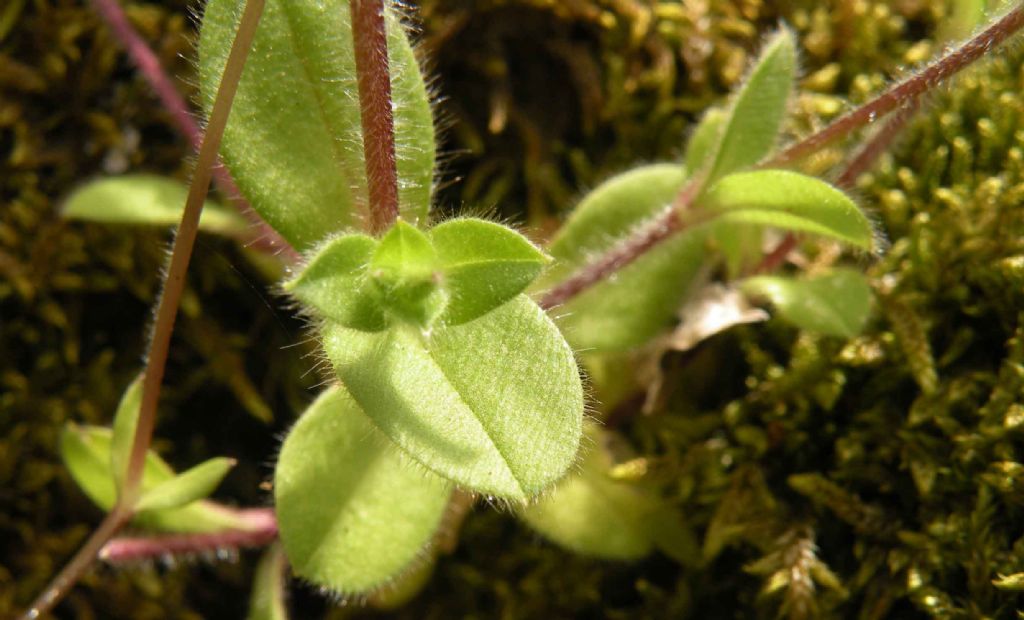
<point>891,463</point>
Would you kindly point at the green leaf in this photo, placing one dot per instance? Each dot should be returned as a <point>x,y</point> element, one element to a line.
<point>837,303</point>
<point>495,404</point>
<point>146,199</point>
<point>294,138</point>
<point>484,264</point>
<point>334,283</point>
<point>405,275</point>
<point>353,510</point>
<point>404,252</point>
<point>590,513</point>
<point>790,201</point>
<point>125,421</point>
<point>642,299</point>
<point>267,599</point>
<point>186,487</point>
<point>705,138</point>
<point>758,109</point>
<point>86,453</point>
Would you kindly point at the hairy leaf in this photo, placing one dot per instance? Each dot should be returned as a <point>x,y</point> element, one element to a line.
<point>592,514</point>
<point>627,310</point>
<point>353,510</point>
<point>294,138</point>
<point>184,488</point>
<point>146,199</point>
<point>749,133</point>
<point>790,201</point>
<point>495,404</point>
<point>85,451</point>
<point>484,264</point>
<point>334,283</point>
<point>125,422</point>
<point>837,303</point>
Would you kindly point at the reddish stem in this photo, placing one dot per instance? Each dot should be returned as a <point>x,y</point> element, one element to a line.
<point>906,92</point>
<point>184,240</point>
<point>67,577</point>
<point>260,531</point>
<point>174,283</point>
<point>369,36</point>
<point>653,232</point>
<point>149,66</point>
<point>858,165</point>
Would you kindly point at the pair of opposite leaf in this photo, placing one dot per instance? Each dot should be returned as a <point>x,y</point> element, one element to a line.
<point>97,459</point>
<point>450,374</point>
<point>734,205</point>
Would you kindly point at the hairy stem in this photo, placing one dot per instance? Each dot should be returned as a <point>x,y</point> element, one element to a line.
<point>261,530</point>
<point>657,229</point>
<point>902,95</point>
<point>266,238</point>
<point>369,36</point>
<point>906,92</point>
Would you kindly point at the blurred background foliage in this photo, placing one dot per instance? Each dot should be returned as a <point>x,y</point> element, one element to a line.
<point>882,477</point>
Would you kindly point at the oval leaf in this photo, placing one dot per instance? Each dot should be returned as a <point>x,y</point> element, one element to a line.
<point>186,487</point>
<point>758,109</point>
<point>627,310</point>
<point>85,451</point>
<point>146,199</point>
<point>125,421</point>
<point>354,512</point>
<point>837,303</point>
<point>294,138</point>
<point>484,264</point>
<point>790,201</point>
<point>495,404</point>
<point>590,513</point>
<point>334,283</point>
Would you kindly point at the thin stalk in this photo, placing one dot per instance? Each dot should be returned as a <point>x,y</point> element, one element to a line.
<point>163,87</point>
<point>903,94</point>
<point>174,282</point>
<point>72,571</point>
<point>369,36</point>
<point>906,92</point>
<point>184,240</point>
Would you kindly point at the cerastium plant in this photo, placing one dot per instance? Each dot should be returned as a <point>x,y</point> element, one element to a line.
<point>452,380</point>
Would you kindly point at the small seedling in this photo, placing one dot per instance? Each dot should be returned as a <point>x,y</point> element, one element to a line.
<point>455,346</point>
